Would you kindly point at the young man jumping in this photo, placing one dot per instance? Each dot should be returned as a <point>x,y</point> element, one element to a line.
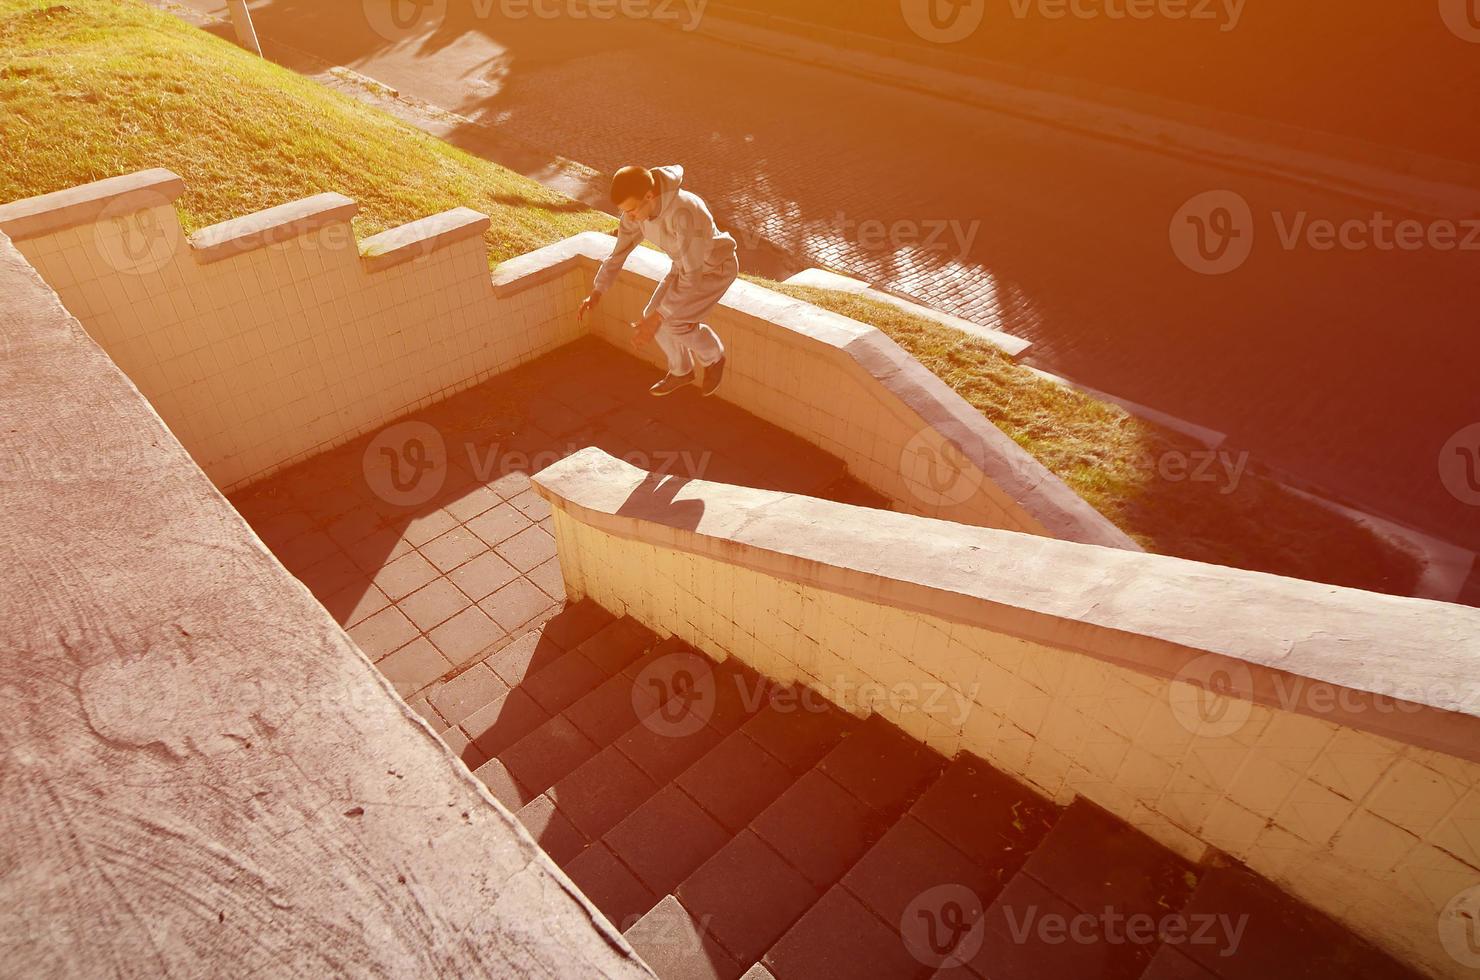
<point>655,207</point>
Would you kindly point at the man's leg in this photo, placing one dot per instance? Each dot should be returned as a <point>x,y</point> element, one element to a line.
<point>699,343</point>
<point>671,342</point>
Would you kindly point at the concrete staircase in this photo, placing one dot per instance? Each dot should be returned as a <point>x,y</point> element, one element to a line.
<point>730,827</point>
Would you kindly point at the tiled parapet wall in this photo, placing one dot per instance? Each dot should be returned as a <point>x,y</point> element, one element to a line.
<point>278,335</point>
<point>1325,736</point>
<point>846,387</point>
<point>200,774</point>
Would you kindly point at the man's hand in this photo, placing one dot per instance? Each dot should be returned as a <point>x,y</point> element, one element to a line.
<point>587,305</point>
<point>644,330</point>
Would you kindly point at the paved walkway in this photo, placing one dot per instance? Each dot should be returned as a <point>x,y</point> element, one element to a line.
<point>1348,367</point>
<point>435,567</point>
<point>718,818</point>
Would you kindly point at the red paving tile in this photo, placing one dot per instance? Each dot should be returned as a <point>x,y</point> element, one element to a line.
<point>434,604</point>
<point>414,666</point>
<point>665,839</point>
<point>467,692</point>
<point>392,575</point>
<point>483,576</point>
<point>516,604</point>
<point>452,549</point>
<point>676,946</point>
<point>497,525</point>
<point>383,632</point>
<point>468,633</point>
<point>527,549</point>
<point>610,885</point>
<point>747,896</point>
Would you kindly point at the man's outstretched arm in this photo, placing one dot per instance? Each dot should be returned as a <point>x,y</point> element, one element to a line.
<point>629,235</point>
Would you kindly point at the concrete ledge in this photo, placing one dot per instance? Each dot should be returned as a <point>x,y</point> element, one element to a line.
<point>1405,668</point>
<point>202,774</point>
<point>263,228</point>
<point>823,279</point>
<point>1042,497</point>
<point>89,203</point>
<point>415,239</point>
<point>522,272</point>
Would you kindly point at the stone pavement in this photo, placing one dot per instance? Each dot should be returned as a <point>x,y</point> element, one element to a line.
<point>1349,367</point>
<point>432,588</point>
<point>725,823</point>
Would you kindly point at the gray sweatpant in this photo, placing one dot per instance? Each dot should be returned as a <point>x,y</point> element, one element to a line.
<point>681,335</point>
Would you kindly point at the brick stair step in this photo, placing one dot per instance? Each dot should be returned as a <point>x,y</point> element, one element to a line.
<point>747,896</point>
<point>602,791</point>
<point>552,829</point>
<point>1170,964</point>
<point>676,946</point>
<point>839,939</point>
<point>926,890</point>
<point>735,781</point>
<point>665,839</point>
<point>503,721</point>
<point>819,828</point>
<point>1095,861</point>
<point>563,682</point>
<point>989,816</point>
<point>798,727</point>
<point>618,644</point>
<point>1025,938</point>
<point>525,657</point>
<point>538,760</point>
<point>1282,937</point>
<point>881,765</point>
<point>610,885</point>
<point>575,623</point>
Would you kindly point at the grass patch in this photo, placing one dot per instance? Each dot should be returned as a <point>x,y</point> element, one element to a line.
<point>1113,460</point>
<point>95,88</point>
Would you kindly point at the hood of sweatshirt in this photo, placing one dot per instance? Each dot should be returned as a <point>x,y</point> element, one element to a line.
<point>667,180</point>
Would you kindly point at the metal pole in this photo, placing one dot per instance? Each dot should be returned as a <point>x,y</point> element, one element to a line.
<point>241,19</point>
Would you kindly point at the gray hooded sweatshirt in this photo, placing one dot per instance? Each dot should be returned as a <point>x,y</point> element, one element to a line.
<point>704,259</point>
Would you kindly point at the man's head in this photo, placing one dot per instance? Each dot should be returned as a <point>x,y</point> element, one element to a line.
<point>635,193</point>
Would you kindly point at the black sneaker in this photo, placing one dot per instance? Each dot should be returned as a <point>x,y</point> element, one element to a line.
<point>671,383</point>
<point>713,375</point>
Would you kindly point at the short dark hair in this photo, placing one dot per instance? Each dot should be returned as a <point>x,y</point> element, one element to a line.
<point>631,182</point>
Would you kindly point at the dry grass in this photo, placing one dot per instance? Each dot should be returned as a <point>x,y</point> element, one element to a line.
<point>96,88</point>
<point>1115,461</point>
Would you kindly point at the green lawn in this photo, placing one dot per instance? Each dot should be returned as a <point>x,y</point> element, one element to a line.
<point>96,88</point>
